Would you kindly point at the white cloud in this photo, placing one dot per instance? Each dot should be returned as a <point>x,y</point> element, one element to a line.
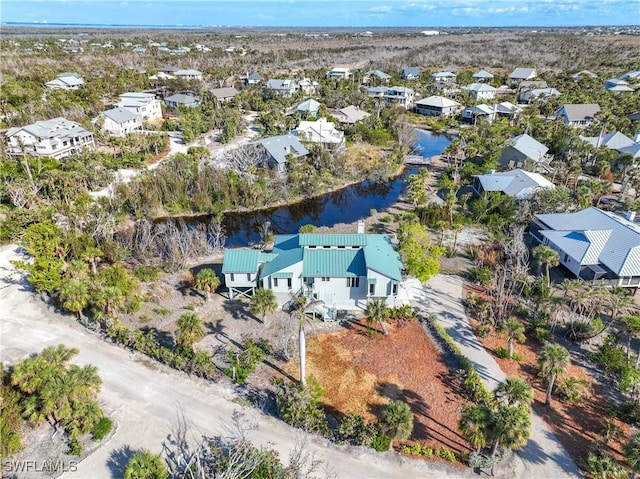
<point>381,9</point>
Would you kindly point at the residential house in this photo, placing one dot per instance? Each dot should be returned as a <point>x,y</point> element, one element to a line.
<point>223,95</point>
<point>436,106</point>
<point>350,115</point>
<point>594,245</point>
<point>162,76</point>
<point>614,141</point>
<point>169,70</point>
<point>482,76</point>
<point>471,114</point>
<point>342,73</point>
<point>56,138</point>
<point>120,121</point>
<point>519,184</point>
<point>506,109</point>
<point>377,91</point>
<point>410,73</point>
<point>583,74</point>
<point>308,108</point>
<point>374,76</point>
<point>520,150</point>
<point>538,93</point>
<point>399,96</point>
<point>522,74</point>
<point>579,115</point>
<point>181,99</point>
<point>145,105</point>
<point>532,84</point>
<point>443,77</point>
<point>633,75</point>
<point>320,131</point>
<point>188,75</point>
<point>617,85</point>
<point>253,78</point>
<point>66,81</point>
<point>275,150</point>
<point>480,91</point>
<point>283,88</point>
<point>343,271</point>
<point>308,86</point>
<point>139,49</point>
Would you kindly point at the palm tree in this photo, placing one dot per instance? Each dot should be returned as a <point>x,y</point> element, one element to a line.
<point>515,332</point>
<point>109,300</point>
<point>263,302</point>
<point>604,466</point>
<point>546,256</point>
<point>475,424</point>
<point>377,310</point>
<point>145,465</point>
<point>515,392</point>
<point>397,421</point>
<point>632,453</point>
<point>206,280</point>
<point>190,330</point>
<point>631,328</point>
<point>299,307</point>
<point>74,295</point>
<point>511,427</point>
<point>554,361</point>
<point>93,256</point>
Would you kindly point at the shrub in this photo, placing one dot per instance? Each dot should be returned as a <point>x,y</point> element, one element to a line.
<point>306,229</point>
<point>245,361</point>
<point>502,352</point>
<point>573,389</point>
<point>147,273</point>
<point>381,442</point>
<point>75,447</point>
<point>101,429</point>
<point>301,407</point>
<point>145,318</point>
<point>161,310</point>
<point>542,333</point>
<point>354,430</point>
<point>517,357</point>
<point>386,219</point>
<point>611,355</point>
<point>373,211</point>
<point>483,330</point>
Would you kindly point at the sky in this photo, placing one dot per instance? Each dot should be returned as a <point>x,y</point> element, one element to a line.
<point>326,13</point>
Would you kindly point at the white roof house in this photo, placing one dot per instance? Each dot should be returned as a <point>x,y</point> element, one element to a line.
<point>350,114</point>
<point>482,75</point>
<point>282,87</point>
<point>56,138</point>
<point>309,107</point>
<point>593,244</point>
<point>399,95</point>
<point>614,141</point>
<point>518,183</point>
<point>520,74</point>
<point>437,105</point>
<point>189,74</point>
<point>443,77</point>
<point>339,72</point>
<point>531,95</point>
<point>145,105</point>
<point>120,121</point>
<point>633,75</point>
<point>480,91</point>
<point>617,85</point>
<point>320,131</point>
<point>65,81</point>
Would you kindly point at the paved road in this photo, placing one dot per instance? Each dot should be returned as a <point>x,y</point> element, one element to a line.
<point>146,399</point>
<point>543,456</point>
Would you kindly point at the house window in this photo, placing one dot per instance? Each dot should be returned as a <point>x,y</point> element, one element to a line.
<point>326,247</point>
<point>341,247</point>
<point>275,282</point>
<point>248,276</point>
<point>325,278</point>
<point>372,289</point>
<point>232,277</point>
<point>353,282</point>
<point>312,246</point>
<point>289,283</point>
<point>394,288</point>
<point>566,257</point>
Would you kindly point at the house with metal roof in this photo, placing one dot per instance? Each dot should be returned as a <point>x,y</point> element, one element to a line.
<point>633,75</point>
<point>350,115</point>
<point>614,141</point>
<point>308,86</point>
<point>410,73</point>
<point>275,151</point>
<point>472,113</point>
<point>281,87</point>
<point>399,96</point>
<point>65,81</point>
<point>144,105</point>
<point>436,106</point>
<point>188,74</point>
<point>519,184</point>
<point>594,245</point>
<point>342,73</point>
<point>369,77</point>
<point>583,74</point>
<point>579,115</point>
<point>480,91</point>
<point>616,85</point>
<point>444,77</point>
<point>320,131</point>
<point>482,75</point>
<point>520,74</point>
<point>521,150</point>
<point>253,78</point>
<point>376,91</point>
<point>343,271</point>
<point>181,99</point>
<point>308,108</point>
<point>538,93</point>
<point>120,121</point>
<point>56,138</point>
<point>223,95</point>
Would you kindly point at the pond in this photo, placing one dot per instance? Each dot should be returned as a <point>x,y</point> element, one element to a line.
<point>346,205</point>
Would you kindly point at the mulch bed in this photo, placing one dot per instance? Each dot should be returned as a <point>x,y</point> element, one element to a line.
<point>361,371</point>
<point>577,426</point>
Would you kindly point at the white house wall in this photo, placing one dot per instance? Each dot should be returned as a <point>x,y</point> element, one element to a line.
<point>240,280</point>
<point>336,292</point>
<point>571,264</point>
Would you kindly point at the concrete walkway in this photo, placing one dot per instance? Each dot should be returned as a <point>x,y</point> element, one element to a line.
<point>543,456</point>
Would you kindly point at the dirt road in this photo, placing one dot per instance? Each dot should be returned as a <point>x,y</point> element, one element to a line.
<point>147,399</point>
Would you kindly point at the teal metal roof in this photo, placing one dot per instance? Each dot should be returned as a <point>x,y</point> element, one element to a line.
<point>382,258</point>
<point>328,239</point>
<point>281,261</point>
<point>334,263</point>
<point>372,280</point>
<point>244,260</point>
<point>285,242</point>
<point>282,275</point>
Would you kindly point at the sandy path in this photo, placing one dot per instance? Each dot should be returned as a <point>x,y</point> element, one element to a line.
<point>147,399</point>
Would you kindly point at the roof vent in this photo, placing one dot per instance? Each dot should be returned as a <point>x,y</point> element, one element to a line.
<point>361,227</point>
<point>630,216</point>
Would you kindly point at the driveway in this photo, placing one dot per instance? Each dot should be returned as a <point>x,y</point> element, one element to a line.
<point>543,456</point>
<point>147,400</point>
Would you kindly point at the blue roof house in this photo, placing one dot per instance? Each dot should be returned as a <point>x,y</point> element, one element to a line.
<point>343,271</point>
<point>410,73</point>
<point>522,150</point>
<point>276,150</point>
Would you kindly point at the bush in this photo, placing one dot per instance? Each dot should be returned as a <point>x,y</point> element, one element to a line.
<point>306,229</point>
<point>482,275</point>
<point>354,430</point>
<point>101,429</point>
<point>428,452</point>
<point>245,361</point>
<point>483,330</point>
<point>161,310</point>
<point>373,211</point>
<point>542,333</point>
<point>147,273</point>
<point>573,390</point>
<point>75,447</point>
<point>611,355</point>
<point>301,407</point>
<point>386,219</point>
<point>381,442</point>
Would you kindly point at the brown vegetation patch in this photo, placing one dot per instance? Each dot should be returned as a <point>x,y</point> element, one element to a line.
<point>361,371</point>
<point>577,426</point>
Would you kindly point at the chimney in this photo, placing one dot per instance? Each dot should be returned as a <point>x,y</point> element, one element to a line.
<point>630,216</point>
<point>361,227</point>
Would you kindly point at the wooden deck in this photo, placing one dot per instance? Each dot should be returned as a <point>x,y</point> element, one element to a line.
<point>418,160</point>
